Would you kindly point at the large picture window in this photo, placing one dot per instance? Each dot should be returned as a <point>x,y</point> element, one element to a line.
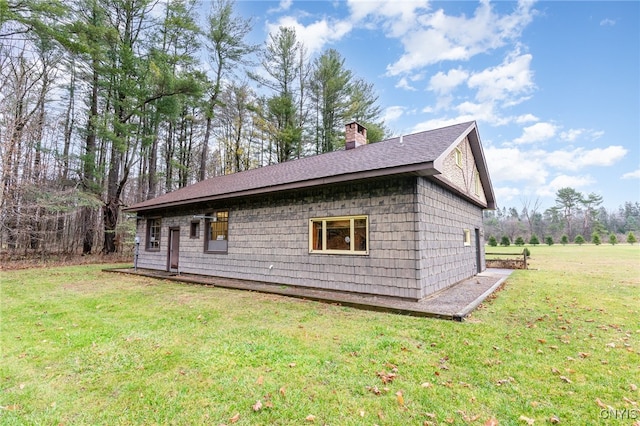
<point>217,235</point>
<point>339,235</point>
<point>153,234</point>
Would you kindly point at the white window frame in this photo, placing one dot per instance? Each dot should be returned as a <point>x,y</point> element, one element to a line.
<point>458,156</point>
<point>352,239</point>
<point>466,237</point>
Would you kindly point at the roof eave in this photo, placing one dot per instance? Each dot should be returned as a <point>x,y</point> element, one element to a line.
<point>421,169</point>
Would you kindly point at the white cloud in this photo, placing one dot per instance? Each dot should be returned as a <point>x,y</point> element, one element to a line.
<point>392,113</point>
<point>438,37</point>
<point>506,193</point>
<point>315,35</point>
<point>515,165</point>
<point>536,133</point>
<point>564,181</point>
<point>511,78</point>
<point>526,118</point>
<point>444,83</point>
<point>607,22</point>
<point>403,83</point>
<point>580,158</point>
<point>632,175</point>
<point>396,17</point>
<point>571,134</point>
<point>574,134</point>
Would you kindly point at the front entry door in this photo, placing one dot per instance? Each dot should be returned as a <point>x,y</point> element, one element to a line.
<point>174,249</point>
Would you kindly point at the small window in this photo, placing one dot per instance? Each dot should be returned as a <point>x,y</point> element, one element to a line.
<point>467,237</point>
<point>153,234</point>
<point>217,232</point>
<point>194,229</point>
<point>339,235</point>
<point>478,184</point>
<point>458,156</point>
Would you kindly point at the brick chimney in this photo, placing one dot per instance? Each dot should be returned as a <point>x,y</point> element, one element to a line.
<point>355,135</point>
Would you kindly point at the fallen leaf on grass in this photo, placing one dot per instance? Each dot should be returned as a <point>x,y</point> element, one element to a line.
<point>400,398</point>
<point>527,420</point>
<point>282,391</point>
<point>505,381</point>
<point>629,401</point>
<point>374,390</point>
<point>260,380</point>
<point>565,379</point>
<point>386,377</point>
<point>291,365</point>
<point>467,417</point>
<point>257,406</point>
<point>584,354</point>
<point>554,420</point>
<point>555,370</point>
<point>603,405</point>
<point>491,422</point>
<point>426,385</point>
<point>235,418</point>
<point>310,418</point>
<point>633,387</point>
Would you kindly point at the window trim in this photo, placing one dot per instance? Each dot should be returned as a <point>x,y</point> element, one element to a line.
<point>466,237</point>
<point>352,220</point>
<point>478,183</point>
<point>207,225</point>
<point>194,229</point>
<point>147,244</point>
<point>458,157</point>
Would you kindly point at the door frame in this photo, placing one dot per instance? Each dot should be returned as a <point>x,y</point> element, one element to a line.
<point>172,230</point>
<point>478,251</point>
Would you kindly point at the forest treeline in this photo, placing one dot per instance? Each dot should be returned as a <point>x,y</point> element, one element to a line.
<point>104,103</point>
<point>575,217</point>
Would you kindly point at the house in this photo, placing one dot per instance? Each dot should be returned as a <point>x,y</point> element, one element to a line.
<point>401,217</point>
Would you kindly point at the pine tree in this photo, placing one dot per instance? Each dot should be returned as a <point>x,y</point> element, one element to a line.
<point>534,240</point>
<point>549,240</point>
<point>504,241</point>
<point>492,241</point>
<point>579,240</point>
<point>595,238</point>
<point>631,238</point>
<point>613,240</point>
<point>564,240</point>
<point>519,241</point>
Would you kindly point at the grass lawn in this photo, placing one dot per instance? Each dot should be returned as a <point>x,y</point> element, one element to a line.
<point>560,342</point>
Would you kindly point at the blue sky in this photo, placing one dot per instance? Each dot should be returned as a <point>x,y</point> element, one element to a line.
<point>554,86</point>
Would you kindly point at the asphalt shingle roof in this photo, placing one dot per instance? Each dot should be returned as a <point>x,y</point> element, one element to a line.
<point>416,152</point>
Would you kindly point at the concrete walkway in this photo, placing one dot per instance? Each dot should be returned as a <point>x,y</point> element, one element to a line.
<point>453,303</point>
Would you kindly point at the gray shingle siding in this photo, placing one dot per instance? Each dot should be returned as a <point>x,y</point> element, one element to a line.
<point>265,231</point>
<point>442,218</point>
<point>415,239</point>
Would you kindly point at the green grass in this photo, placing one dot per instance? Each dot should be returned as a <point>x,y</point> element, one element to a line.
<point>80,346</point>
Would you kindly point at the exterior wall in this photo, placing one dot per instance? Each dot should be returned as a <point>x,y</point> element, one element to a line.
<point>269,240</point>
<point>464,178</point>
<point>442,218</point>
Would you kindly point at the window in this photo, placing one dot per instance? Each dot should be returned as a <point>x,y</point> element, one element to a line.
<point>217,234</point>
<point>153,234</point>
<point>339,235</point>
<point>458,156</point>
<point>478,184</point>
<point>194,230</point>
<point>467,237</point>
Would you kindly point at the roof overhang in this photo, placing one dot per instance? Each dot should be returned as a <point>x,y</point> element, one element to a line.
<point>419,169</point>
